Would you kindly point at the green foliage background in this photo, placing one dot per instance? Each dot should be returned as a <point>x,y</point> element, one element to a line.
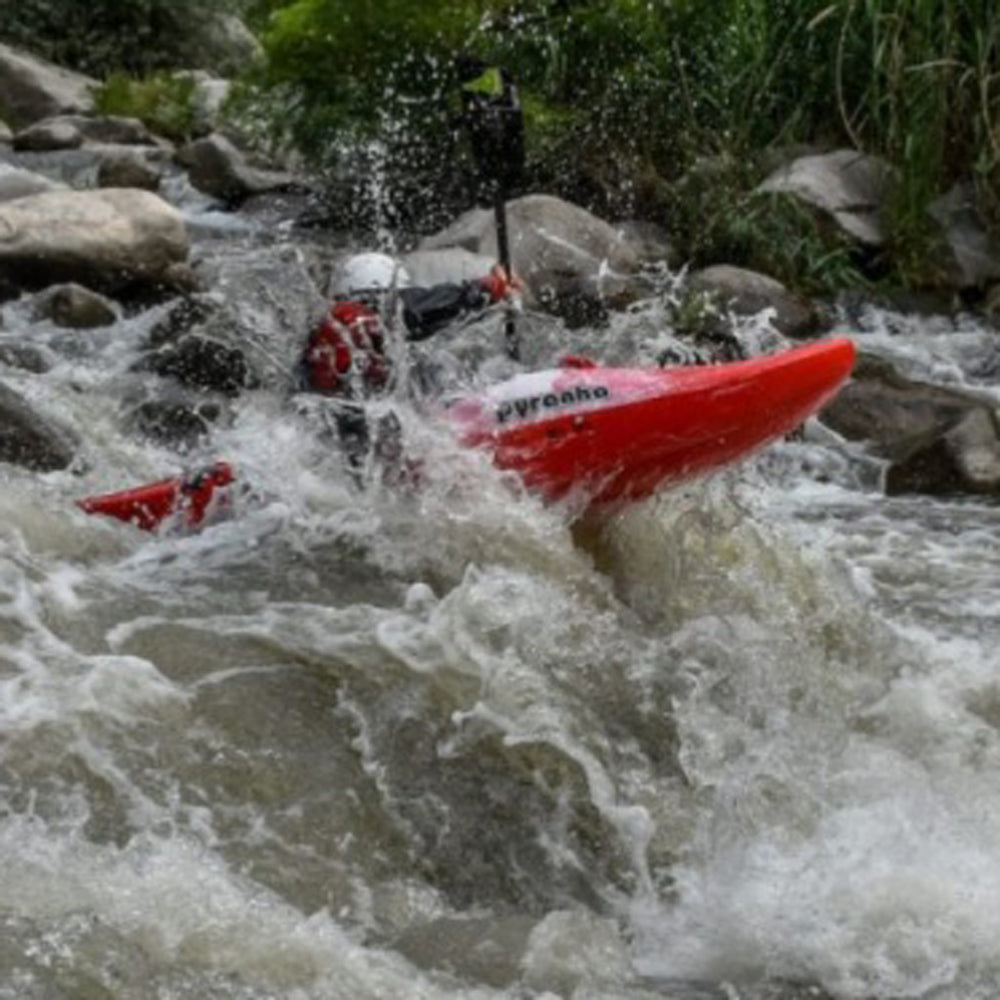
<point>626,100</point>
<point>625,96</point>
<point>99,37</point>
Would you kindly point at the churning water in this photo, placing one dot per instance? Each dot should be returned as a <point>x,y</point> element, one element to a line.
<point>741,740</point>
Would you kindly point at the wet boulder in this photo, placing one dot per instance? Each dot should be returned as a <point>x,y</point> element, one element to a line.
<point>61,132</point>
<point>892,413</point>
<point>114,240</point>
<point>202,363</point>
<point>964,459</point>
<point>75,307</point>
<point>937,440</point>
<point>846,186</point>
<point>29,439</point>
<point>176,419</point>
<point>32,89</point>
<point>48,136</point>
<point>270,302</point>
<point>650,241</point>
<point>217,168</point>
<point>25,357</point>
<point>747,293</point>
<point>113,130</point>
<point>571,261</point>
<point>124,168</point>
<point>182,316</point>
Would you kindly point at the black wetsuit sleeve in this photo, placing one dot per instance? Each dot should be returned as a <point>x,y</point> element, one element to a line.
<point>428,310</point>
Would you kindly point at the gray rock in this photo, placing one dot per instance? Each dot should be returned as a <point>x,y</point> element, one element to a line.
<point>6,133</point>
<point>454,264</point>
<point>32,89</point>
<point>17,183</point>
<point>217,168</point>
<point>892,414</point>
<point>650,241</point>
<point>128,170</point>
<point>75,307</point>
<point>115,130</point>
<point>974,250</point>
<point>747,293</point>
<point>47,136</point>
<point>567,257</point>
<point>113,239</point>
<point>26,357</point>
<point>29,439</point>
<point>965,459</point>
<point>202,363</point>
<point>77,168</point>
<point>846,185</point>
<point>181,423</point>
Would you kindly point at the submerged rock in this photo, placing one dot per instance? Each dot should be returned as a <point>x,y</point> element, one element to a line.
<point>937,440</point>
<point>965,459</point>
<point>74,306</point>
<point>26,357</point>
<point>29,439</point>
<point>202,363</point>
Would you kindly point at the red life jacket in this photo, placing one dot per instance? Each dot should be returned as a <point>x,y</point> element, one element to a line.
<point>345,355</point>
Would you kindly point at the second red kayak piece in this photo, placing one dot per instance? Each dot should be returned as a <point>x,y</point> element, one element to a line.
<point>188,497</point>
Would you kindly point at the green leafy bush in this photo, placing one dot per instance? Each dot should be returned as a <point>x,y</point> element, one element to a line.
<point>166,104</point>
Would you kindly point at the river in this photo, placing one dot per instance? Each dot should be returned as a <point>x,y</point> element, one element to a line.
<point>740,741</point>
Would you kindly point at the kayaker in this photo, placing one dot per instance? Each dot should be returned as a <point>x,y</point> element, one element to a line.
<point>348,355</point>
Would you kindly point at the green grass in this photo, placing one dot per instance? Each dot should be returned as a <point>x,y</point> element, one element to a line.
<point>166,104</point>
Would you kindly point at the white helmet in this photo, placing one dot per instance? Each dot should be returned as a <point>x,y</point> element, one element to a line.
<point>368,275</point>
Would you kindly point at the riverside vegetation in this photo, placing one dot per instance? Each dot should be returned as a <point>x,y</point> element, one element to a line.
<point>673,111</point>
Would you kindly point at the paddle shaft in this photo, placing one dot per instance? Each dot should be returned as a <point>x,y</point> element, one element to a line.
<point>503,252</point>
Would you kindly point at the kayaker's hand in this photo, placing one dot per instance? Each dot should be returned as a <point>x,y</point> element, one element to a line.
<point>500,285</point>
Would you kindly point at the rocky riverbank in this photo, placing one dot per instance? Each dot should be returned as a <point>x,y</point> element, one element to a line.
<point>94,231</point>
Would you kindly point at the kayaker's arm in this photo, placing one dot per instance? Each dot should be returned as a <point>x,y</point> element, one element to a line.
<point>428,310</point>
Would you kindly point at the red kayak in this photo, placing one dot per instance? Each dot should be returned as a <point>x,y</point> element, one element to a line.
<point>618,434</point>
<point>613,435</point>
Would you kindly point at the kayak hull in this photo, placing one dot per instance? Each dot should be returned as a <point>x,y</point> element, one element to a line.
<point>609,435</point>
<point>616,435</point>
